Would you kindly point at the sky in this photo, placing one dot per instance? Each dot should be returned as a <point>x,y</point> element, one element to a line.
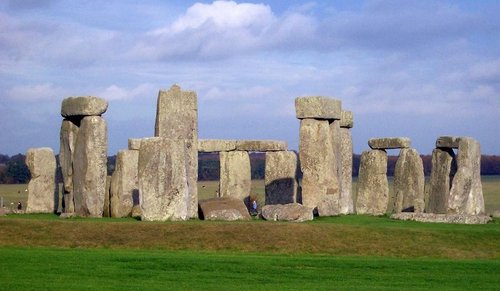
<point>418,69</point>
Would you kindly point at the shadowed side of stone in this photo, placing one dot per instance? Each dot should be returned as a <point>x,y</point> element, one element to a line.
<point>293,212</point>
<point>224,208</point>
<point>281,177</point>
<point>440,181</point>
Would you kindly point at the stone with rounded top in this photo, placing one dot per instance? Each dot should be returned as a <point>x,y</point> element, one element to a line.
<point>389,143</point>
<point>318,107</point>
<point>83,106</point>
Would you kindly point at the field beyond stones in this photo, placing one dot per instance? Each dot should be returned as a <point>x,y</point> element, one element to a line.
<point>347,252</point>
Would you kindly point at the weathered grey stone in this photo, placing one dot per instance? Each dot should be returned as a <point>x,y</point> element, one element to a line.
<point>163,185</point>
<point>83,106</point>
<point>466,193</point>
<point>124,183</point>
<point>409,181</point>
<point>224,208</point>
<point>177,118</point>
<point>318,107</point>
<point>373,187</point>
<point>320,186</point>
<point>261,145</point>
<point>389,143</point>
<point>281,177</point>
<point>293,212</point>
<point>136,211</point>
<point>346,119</point>
<point>235,175</point>
<point>330,204</point>
<point>89,165</point>
<point>68,134</point>
<point>346,202</point>
<point>216,145</point>
<point>42,197</point>
<point>439,189</point>
<point>443,218</point>
<point>447,142</point>
<point>134,144</point>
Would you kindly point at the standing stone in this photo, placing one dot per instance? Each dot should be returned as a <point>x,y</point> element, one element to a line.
<point>89,164</point>
<point>68,134</point>
<point>337,166</point>
<point>124,183</point>
<point>42,197</point>
<point>235,175</point>
<point>281,177</point>
<point>373,187</point>
<point>163,185</point>
<point>320,187</point>
<point>440,180</point>
<point>466,194</point>
<point>409,182</point>
<point>177,118</point>
<point>346,199</point>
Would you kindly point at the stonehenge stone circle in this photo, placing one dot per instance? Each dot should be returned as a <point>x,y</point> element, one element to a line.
<point>42,195</point>
<point>373,186</point>
<point>83,106</point>
<point>235,174</point>
<point>293,212</point>
<point>177,118</point>
<point>68,134</point>
<point>124,183</point>
<point>317,107</point>
<point>389,143</point>
<point>281,177</point>
<point>89,167</point>
<point>409,181</point>
<point>224,208</point>
<point>163,179</point>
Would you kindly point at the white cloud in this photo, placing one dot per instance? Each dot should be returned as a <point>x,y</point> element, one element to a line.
<point>38,92</point>
<point>114,92</point>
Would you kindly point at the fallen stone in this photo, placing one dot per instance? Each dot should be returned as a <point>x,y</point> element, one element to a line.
<point>163,185</point>
<point>261,145</point>
<point>134,144</point>
<point>346,202</point>
<point>216,145</point>
<point>83,106</point>
<point>293,212</point>
<point>346,119</point>
<point>42,195</point>
<point>373,186</point>
<point>235,175</point>
<point>67,215</point>
<point>466,193</point>
<point>389,143</point>
<point>281,177</point>
<point>447,142</point>
<point>68,134</point>
<point>442,218</point>
<point>439,189</point>
<point>224,208</point>
<point>409,181</point>
<point>89,165</point>
<point>317,107</point>
<point>124,183</point>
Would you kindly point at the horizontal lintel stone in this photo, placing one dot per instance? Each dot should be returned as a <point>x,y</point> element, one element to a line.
<point>83,106</point>
<point>261,145</point>
<point>216,145</point>
<point>447,142</point>
<point>318,107</point>
<point>390,143</point>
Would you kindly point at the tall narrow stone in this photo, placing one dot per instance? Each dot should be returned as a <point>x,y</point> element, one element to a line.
<point>466,194</point>
<point>409,182</point>
<point>89,164</point>
<point>124,183</point>
<point>320,186</point>
<point>440,184</point>
<point>281,177</point>
<point>346,198</point>
<point>163,186</point>
<point>68,134</point>
<point>42,195</point>
<point>235,175</point>
<point>373,187</point>
<point>177,118</point>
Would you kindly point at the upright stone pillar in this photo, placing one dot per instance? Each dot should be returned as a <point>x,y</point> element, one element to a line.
<point>319,153</point>
<point>42,195</point>
<point>440,181</point>
<point>281,177</point>
<point>124,183</point>
<point>409,182</point>
<point>163,183</point>
<point>373,187</point>
<point>177,118</point>
<point>235,174</point>
<point>346,150</point>
<point>69,132</point>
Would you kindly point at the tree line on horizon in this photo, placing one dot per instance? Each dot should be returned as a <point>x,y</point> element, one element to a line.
<point>13,169</point>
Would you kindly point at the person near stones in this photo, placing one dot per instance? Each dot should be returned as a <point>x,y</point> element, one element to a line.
<point>254,207</point>
<point>19,206</point>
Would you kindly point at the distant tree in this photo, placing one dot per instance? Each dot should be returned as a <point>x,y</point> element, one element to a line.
<point>4,159</point>
<point>17,171</point>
